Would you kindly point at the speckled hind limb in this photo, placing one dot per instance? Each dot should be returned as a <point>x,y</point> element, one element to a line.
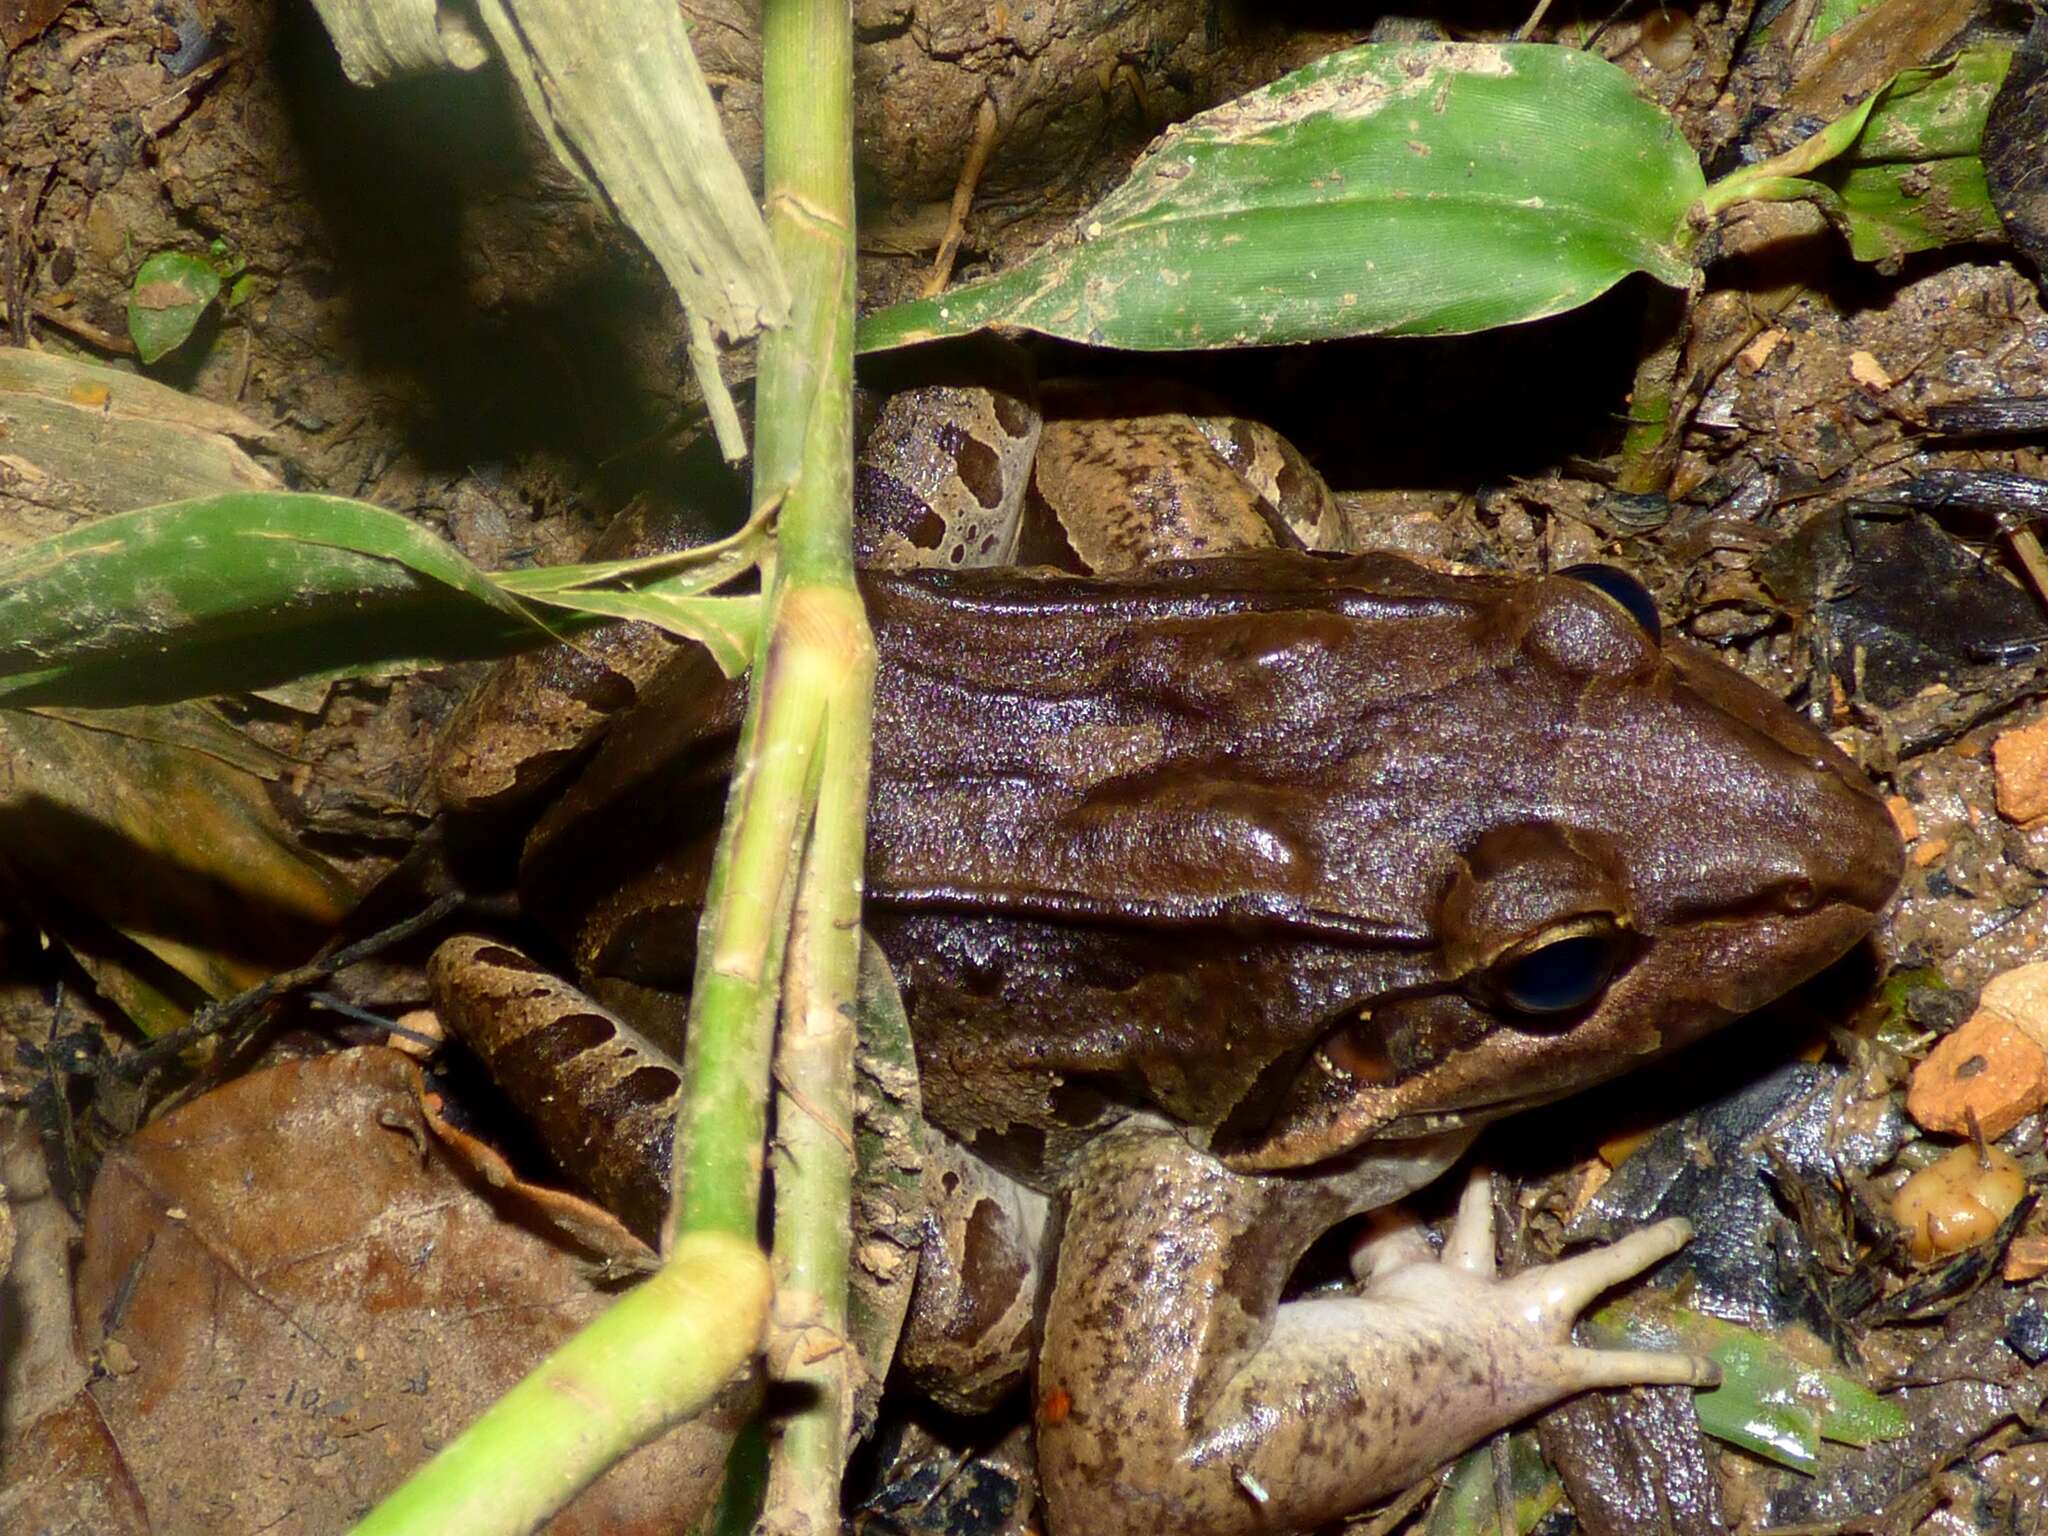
<point>1177,1394</point>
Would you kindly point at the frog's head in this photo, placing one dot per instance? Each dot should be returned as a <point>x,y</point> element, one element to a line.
<point>1609,845</point>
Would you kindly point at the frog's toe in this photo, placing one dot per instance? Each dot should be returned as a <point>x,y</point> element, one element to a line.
<point>1555,1294</point>
<point>1469,1243</point>
<point>1580,1370</point>
<point>1394,1239</point>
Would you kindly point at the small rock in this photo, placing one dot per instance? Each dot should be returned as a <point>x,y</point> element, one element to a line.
<point>1930,851</point>
<point>2026,1258</point>
<point>1866,370</point>
<point>2027,1331</point>
<point>2021,994</point>
<point>1990,1067</point>
<point>1902,816</point>
<point>2020,759</point>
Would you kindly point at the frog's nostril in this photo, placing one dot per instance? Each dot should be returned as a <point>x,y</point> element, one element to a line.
<point>1798,896</point>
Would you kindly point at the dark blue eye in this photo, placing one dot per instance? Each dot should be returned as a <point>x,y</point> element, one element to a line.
<point>1561,976</point>
<point>1625,590</point>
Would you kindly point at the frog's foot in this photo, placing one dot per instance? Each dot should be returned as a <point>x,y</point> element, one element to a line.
<point>1532,1312</point>
<point>1458,1352</point>
<point>1323,1405</point>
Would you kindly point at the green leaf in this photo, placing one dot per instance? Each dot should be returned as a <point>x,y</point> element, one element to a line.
<point>1776,1405</point>
<point>1770,1402</point>
<point>1900,169</point>
<point>1466,1506</point>
<point>1385,190</point>
<point>728,627</point>
<point>170,293</point>
<point>248,590</point>
<point>1913,181</point>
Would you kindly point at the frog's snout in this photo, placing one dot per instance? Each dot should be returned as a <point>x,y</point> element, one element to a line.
<point>1862,858</point>
<point>1769,803</point>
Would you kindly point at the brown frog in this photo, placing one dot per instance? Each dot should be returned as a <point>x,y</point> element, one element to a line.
<point>1229,896</point>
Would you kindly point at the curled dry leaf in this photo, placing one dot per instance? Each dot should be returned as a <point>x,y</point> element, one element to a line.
<point>309,1296</point>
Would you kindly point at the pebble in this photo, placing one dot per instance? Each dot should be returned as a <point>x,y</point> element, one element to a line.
<point>2019,758</point>
<point>1991,1066</point>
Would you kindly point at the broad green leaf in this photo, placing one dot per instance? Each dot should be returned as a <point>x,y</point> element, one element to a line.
<point>170,293</point>
<point>1385,190</point>
<point>249,590</point>
<point>236,592</point>
<point>1913,181</point>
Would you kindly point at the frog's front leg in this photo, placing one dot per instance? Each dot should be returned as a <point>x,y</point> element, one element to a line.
<point>1176,1393</point>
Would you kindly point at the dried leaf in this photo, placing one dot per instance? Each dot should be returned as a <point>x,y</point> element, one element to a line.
<point>300,1278</point>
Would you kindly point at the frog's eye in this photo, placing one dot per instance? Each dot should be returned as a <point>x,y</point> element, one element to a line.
<point>1560,971</point>
<point>1625,590</point>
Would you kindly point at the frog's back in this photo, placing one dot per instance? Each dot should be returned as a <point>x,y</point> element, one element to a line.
<point>1250,840</point>
<point>1157,840</point>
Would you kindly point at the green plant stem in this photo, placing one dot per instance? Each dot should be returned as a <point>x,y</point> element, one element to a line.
<point>816,640</point>
<point>654,1359</point>
<point>1649,449</point>
<point>1780,179</point>
<point>807,380</point>
<point>815,1146</point>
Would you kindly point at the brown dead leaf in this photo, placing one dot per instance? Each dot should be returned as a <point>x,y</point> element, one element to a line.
<point>1867,51</point>
<point>66,1478</point>
<point>314,1298</point>
<point>101,441</point>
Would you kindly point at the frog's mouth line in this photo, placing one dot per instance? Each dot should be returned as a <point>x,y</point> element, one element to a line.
<point>1687,983</point>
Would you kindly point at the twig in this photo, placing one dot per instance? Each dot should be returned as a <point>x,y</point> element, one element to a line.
<point>217,1018</point>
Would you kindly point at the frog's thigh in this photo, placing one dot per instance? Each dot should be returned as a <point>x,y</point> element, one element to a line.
<point>1128,492</point>
<point>968,1337</point>
<point>1174,1395</point>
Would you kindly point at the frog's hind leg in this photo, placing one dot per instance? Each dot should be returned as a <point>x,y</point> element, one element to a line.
<point>968,1337</point>
<point>1176,1392</point>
